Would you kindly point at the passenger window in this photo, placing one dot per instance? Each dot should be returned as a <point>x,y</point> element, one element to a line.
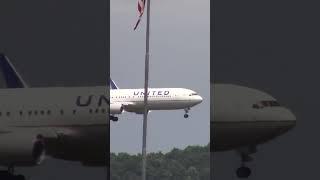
<point>8,113</point>
<point>61,112</point>
<point>90,111</point>
<point>42,112</point>
<point>20,113</point>
<point>97,110</point>
<point>274,103</point>
<point>48,112</point>
<point>74,111</point>
<point>265,103</point>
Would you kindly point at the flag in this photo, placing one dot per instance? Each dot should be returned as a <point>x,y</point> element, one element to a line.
<point>141,4</point>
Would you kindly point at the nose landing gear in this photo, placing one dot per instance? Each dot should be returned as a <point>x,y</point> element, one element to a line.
<point>243,171</point>
<point>186,115</point>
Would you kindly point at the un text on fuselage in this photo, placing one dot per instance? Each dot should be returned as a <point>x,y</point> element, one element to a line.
<point>84,101</point>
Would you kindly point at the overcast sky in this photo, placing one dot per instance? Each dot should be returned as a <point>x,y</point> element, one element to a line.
<point>179,48</point>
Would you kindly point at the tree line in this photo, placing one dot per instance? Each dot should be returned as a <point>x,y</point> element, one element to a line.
<point>191,163</point>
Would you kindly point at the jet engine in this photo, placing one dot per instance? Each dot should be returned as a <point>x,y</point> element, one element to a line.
<point>21,148</point>
<point>116,108</point>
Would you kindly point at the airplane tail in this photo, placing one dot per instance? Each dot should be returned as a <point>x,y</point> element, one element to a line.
<point>11,77</point>
<point>113,85</point>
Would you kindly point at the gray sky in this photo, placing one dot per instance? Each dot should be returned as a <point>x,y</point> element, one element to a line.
<point>179,47</point>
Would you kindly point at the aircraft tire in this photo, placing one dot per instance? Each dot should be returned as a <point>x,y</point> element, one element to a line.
<point>19,177</point>
<point>243,172</point>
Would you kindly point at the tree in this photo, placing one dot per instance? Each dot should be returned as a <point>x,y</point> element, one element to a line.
<point>192,163</point>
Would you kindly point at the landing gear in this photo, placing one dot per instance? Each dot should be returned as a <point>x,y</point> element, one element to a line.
<point>243,171</point>
<point>186,115</point>
<point>113,118</point>
<point>9,175</point>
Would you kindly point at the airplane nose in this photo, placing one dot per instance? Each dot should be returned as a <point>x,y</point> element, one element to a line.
<point>267,124</point>
<point>278,115</point>
<point>282,120</point>
<point>199,99</point>
<point>289,117</point>
<point>285,114</point>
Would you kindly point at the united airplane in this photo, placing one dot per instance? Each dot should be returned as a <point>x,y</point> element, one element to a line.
<point>132,100</point>
<point>68,123</point>
<point>244,118</point>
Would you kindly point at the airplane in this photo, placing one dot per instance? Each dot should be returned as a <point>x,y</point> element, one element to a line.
<point>132,100</point>
<point>68,123</point>
<point>71,123</point>
<point>244,118</point>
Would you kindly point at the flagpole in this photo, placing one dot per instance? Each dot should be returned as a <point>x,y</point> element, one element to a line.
<point>146,80</point>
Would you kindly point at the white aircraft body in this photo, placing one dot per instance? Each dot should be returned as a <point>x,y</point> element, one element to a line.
<point>69,123</point>
<point>132,100</point>
<point>244,118</point>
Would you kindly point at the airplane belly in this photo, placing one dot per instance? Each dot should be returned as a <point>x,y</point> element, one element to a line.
<point>232,135</point>
<point>168,105</point>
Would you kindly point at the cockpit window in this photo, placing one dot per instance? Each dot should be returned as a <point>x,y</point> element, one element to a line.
<point>263,104</point>
<point>193,94</point>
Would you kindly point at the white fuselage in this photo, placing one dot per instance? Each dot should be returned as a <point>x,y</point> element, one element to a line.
<point>243,116</point>
<point>73,122</point>
<point>158,98</point>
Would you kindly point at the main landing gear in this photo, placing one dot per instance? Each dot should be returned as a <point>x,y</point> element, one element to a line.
<point>9,175</point>
<point>243,171</point>
<point>113,118</point>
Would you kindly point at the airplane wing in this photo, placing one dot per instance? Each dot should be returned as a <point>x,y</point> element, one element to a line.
<point>128,106</point>
<point>131,107</point>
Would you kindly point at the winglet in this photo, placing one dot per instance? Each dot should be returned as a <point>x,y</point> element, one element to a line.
<point>113,85</point>
<point>11,76</point>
